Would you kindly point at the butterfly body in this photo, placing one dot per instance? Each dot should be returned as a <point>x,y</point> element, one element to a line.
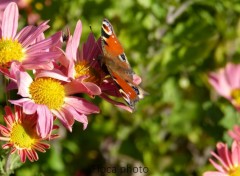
<point>118,66</point>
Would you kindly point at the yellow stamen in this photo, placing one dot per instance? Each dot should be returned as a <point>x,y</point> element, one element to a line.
<point>47,91</point>
<point>235,171</point>
<point>82,69</point>
<point>236,96</point>
<point>10,50</point>
<point>22,136</point>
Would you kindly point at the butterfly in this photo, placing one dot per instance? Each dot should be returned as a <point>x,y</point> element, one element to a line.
<point>118,66</point>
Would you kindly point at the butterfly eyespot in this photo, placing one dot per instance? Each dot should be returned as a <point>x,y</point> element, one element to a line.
<point>122,57</point>
<point>106,28</point>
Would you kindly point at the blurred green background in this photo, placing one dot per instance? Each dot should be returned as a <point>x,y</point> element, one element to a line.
<point>172,45</point>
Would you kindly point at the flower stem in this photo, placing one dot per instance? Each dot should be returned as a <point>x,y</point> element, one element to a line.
<point>7,164</point>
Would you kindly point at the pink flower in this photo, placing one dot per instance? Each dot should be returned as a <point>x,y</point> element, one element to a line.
<point>80,67</point>
<point>27,47</point>
<point>49,94</point>
<point>86,70</point>
<point>228,161</point>
<point>227,83</point>
<point>235,133</point>
<point>21,136</point>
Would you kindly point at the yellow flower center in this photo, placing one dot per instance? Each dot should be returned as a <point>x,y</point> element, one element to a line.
<point>236,96</point>
<point>235,171</point>
<point>10,50</point>
<point>22,137</point>
<point>47,91</point>
<point>83,69</point>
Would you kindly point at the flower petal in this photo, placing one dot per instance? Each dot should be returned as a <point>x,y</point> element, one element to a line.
<point>10,21</point>
<point>32,37</point>
<point>220,84</point>
<point>56,74</point>
<point>77,116</point>
<point>44,44</point>
<point>45,121</point>
<point>232,72</point>
<point>116,103</point>
<point>77,86</point>
<point>65,117</point>
<point>214,173</point>
<point>24,80</point>
<point>76,39</point>
<point>81,105</point>
<point>29,107</point>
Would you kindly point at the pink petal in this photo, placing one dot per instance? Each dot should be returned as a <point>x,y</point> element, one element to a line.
<point>24,33</point>
<point>9,117</point>
<point>116,103</point>
<point>10,21</point>
<point>56,74</point>
<point>225,154</point>
<point>214,173</point>
<point>45,121</point>
<point>4,130</point>
<point>34,155</point>
<point>81,105</point>
<point>44,44</point>
<point>32,37</point>
<point>232,72</point>
<point>29,155</point>
<point>220,84</point>
<point>6,146</point>
<point>76,39</point>
<point>235,133</point>
<point>65,117</point>
<point>77,86</point>
<point>71,69</point>
<point>77,116</point>
<point>19,102</point>
<point>89,46</point>
<point>235,153</point>
<point>92,88</point>
<point>29,107</point>
<point>33,65</point>
<point>24,81</point>
<point>217,166</point>
<point>23,155</point>
<point>69,53</point>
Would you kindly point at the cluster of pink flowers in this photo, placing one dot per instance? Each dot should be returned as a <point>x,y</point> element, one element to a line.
<point>226,83</point>
<point>50,76</point>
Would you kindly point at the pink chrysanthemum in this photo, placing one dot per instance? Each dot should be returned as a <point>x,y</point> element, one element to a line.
<point>228,161</point>
<point>27,47</point>
<point>227,83</point>
<point>85,68</point>
<point>21,136</point>
<point>49,94</point>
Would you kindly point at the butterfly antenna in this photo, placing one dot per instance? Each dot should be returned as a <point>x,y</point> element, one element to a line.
<point>99,47</point>
<point>97,43</point>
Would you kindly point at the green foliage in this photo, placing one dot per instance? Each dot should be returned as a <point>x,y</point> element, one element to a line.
<point>172,44</point>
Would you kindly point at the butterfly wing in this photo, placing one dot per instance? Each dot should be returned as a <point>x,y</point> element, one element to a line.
<point>129,93</point>
<point>114,55</point>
